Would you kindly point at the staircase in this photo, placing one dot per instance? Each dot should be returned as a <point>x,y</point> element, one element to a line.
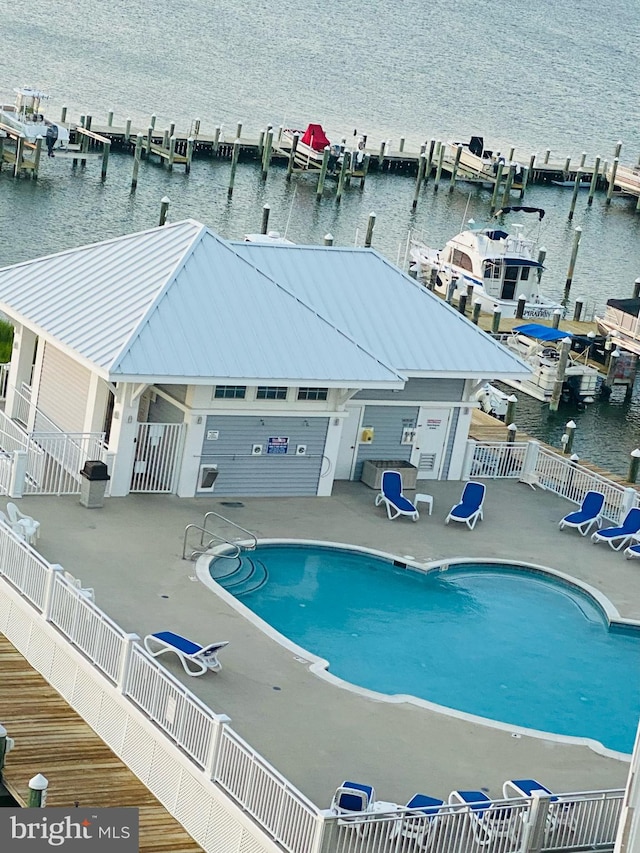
<point>239,576</point>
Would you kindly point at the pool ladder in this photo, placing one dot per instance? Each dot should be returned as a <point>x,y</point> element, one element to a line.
<point>208,539</point>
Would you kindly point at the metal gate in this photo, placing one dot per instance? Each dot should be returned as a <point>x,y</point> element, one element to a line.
<point>157,460</point>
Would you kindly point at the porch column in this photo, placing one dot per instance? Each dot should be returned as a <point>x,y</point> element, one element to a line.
<point>331,447</point>
<point>124,430</point>
<point>195,425</point>
<point>96,404</point>
<point>24,344</point>
<point>460,443</point>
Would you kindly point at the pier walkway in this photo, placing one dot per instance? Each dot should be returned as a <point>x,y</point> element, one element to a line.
<point>50,738</point>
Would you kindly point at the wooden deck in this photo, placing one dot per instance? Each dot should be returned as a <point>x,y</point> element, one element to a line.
<point>53,740</point>
<point>485,428</point>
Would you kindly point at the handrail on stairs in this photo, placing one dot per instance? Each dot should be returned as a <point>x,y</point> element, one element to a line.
<point>237,526</point>
<point>237,548</point>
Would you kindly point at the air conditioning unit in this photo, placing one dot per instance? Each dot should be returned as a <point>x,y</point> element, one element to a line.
<point>301,450</point>
<point>256,450</point>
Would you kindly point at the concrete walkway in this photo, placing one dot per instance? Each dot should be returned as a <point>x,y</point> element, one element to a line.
<point>312,731</point>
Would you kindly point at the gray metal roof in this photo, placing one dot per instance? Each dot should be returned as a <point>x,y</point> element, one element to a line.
<point>387,311</point>
<point>178,303</point>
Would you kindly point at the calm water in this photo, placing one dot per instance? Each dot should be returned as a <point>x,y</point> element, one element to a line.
<point>522,77</point>
<point>495,642</point>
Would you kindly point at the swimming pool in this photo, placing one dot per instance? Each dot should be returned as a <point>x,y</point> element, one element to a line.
<point>520,647</point>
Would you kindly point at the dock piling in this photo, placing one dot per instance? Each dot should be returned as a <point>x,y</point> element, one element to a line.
<point>216,141</point>
<point>495,320</point>
<point>136,161</point>
<point>234,164</point>
<point>572,262</point>
<point>496,188</point>
<point>343,175</point>
<point>106,149</point>
<point>110,119</point>
<point>574,195</point>
<point>38,785</point>
<point>567,438</point>
<point>239,130</point>
<point>328,239</point>
<point>462,304</point>
<point>292,155</point>
<point>190,144</point>
<point>421,170</point>
<point>172,152</point>
<point>365,169</point>
<point>636,288</point>
<point>63,115</point>
<point>454,170</point>
<point>148,143</point>
<point>429,166</point>
<point>323,171</point>
<point>612,179</point>
<point>152,122</point>
<point>583,159</point>
<point>577,310</point>
<point>264,225</point>
<point>565,346</point>
<point>439,168</point>
<point>547,154</point>
<point>522,301</point>
<point>19,150</point>
<point>164,209</point>
<point>634,465</point>
<point>618,149</point>
<point>401,145</point>
<point>594,181</point>
<point>555,318</point>
<point>370,226</point>
<point>507,185</point>
<point>266,154</point>
<point>475,317</point>
<point>510,415</point>
<point>127,130</point>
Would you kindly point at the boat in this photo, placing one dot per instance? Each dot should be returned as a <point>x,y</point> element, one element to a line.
<point>539,347</point>
<point>500,267</point>
<point>270,237</point>
<point>310,149</point>
<point>621,323</point>
<point>481,162</point>
<point>493,401</point>
<point>25,116</point>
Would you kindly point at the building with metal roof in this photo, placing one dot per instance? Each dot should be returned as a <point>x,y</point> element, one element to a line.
<point>242,368</point>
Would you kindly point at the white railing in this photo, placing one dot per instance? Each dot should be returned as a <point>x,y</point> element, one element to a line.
<point>273,802</point>
<point>55,460</point>
<point>22,403</point>
<point>532,463</point>
<point>12,436</point>
<point>4,379</point>
<point>267,796</point>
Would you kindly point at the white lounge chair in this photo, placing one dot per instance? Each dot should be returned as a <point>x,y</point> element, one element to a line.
<point>618,537</point>
<point>205,658</point>
<point>590,513</point>
<point>560,814</point>
<point>29,525</point>
<point>490,821</point>
<point>76,583</point>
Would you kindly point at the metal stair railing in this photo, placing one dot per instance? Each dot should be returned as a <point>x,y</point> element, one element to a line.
<point>254,539</point>
<point>204,547</point>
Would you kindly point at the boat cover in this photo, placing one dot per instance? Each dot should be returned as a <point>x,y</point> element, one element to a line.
<point>520,209</point>
<point>541,333</point>
<point>314,137</point>
<point>628,306</point>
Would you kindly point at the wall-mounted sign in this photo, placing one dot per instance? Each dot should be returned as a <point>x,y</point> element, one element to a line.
<point>213,434</point>
<point>277,444</point>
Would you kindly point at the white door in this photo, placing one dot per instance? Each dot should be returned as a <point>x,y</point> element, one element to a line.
<point>348,443</point>
<point>430,442</point>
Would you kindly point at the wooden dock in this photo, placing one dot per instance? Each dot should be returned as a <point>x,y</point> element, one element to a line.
<point>50,738</point>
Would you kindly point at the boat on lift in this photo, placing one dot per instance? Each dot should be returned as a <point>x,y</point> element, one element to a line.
<point>620,321</point>
<point>539,347</point>
<point>26,117</point>
<point>499,266</point>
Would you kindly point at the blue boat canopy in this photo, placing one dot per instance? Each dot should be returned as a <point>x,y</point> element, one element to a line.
<point>541,333</point>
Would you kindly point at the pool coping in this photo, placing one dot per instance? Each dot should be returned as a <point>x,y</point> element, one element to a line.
<point>319,666</point>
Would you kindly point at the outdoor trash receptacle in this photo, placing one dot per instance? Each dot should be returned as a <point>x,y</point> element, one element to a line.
<point>94,483</point>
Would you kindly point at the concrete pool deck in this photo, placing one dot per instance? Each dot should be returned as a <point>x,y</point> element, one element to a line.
<point>312,731</point>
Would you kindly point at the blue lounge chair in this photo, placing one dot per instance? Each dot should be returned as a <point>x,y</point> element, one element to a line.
<point>414,826</point>
<point>353,797</point>
<point>590,513</point>
<point>469,510</point>
<point>618,537</point>
<point>559,815</point>
<point>204,658</point>
<point>633,550</point>
<point>489,820</point>
<point>391,496</point>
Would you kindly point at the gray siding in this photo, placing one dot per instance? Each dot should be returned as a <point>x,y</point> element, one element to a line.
<point>164,412</point>
<point>388,423</point>
<point>178,392</point>
<point>453,429</point>
<point>427,390</point>
<point>240,473</point>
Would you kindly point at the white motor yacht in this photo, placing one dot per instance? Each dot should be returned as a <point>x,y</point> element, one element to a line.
<point>26,117</point>
<point>499,266</point>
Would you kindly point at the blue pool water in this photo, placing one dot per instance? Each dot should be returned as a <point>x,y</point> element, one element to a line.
<point>506,644</point>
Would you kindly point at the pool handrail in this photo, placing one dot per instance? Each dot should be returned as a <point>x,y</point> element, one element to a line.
<point>237,548</point>
<point>254,538</point>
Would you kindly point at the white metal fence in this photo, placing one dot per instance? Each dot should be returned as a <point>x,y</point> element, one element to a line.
<point>537,465</point>
<point>56,459</point>
<point>223,758</point>
<point>158,456</point>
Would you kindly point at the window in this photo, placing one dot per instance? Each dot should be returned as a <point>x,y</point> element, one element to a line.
<point>230,392</point>
<point>461,259</point>
<point>312,393</point>
<point>271,392</point>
